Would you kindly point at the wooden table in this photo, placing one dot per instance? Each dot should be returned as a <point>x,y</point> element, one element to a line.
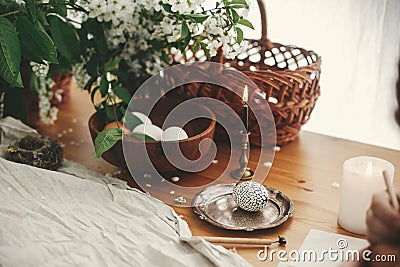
<point>304,170</point>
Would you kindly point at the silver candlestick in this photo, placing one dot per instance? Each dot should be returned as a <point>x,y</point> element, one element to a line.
<point>243,173</point>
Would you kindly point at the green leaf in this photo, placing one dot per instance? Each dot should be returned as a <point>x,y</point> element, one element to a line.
<point>19,82</point>
<point>246,23</point>
<point>235,16</point>
<point>168,8</point>
<point>59,7</point>
<point>10,53</point>
<point>198,18</point>
<point>196,47</point>
<point>92,66</point>
<point>63,66</point>
<point>112,64</point>
<point>239,34</point>
<point>186,43</point>
<point>185,30</point>
<point>238,6</point>
<point>42,17</point>
<point>123,110</point>
<point>165,56</point>
<point>104,87</point>
<point>122,93</point>
<point>93,27</point>
<point>15,104</point>
<point>36,43</point>
<point>142,137</point>
<point>120,114</point>
<point>206,50</point>
<point>131,121</point>
<point>110,113</point>
<point>113,83</point>
<point>122,75</point>
<point>65,38</point>
<point>9,6</point>
<point>236,2</point>
<point>33,12</point>
<point>156,44</point>
<point>105,140</point>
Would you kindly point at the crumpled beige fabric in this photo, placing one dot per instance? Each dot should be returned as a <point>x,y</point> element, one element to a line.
<point>50,218</point>
<point>11,129</point>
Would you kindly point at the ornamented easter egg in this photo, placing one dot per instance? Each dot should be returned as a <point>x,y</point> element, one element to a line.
<point>142,117</point>
<point>174,133</point>
<point>250,196</point>
<point>151,130</point>
<point>117,124</point>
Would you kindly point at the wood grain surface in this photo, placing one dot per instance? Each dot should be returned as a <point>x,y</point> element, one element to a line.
<point>304,170</point>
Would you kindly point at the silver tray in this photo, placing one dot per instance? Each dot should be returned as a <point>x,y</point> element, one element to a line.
<point>215,205</point>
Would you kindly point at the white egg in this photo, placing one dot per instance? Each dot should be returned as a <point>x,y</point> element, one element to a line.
<point>174,133</point>
<point>151,130</point>
<point>142,117</point>
<point>250,196</point>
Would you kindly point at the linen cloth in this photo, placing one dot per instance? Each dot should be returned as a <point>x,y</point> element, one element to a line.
<point>50,218</point>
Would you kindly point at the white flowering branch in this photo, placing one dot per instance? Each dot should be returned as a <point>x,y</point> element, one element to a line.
<point>40,4</point>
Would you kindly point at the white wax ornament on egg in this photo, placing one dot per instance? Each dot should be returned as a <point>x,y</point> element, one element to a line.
<point>174,133</point>
<point>151,130</point>
<point>250,196</point>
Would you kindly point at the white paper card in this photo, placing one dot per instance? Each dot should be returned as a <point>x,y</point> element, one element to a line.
<point>324,249</point>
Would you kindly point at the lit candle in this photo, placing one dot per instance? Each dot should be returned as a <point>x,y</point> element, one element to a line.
<point>362,177</point>
<point>245,98</point>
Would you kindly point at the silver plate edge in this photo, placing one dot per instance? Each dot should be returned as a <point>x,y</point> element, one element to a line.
<point>203,216</point>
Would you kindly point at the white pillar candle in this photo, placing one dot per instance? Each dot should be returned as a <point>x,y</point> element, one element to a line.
<point>362,177</point>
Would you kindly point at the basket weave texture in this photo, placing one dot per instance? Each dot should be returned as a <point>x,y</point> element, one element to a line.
<point>286,76</point>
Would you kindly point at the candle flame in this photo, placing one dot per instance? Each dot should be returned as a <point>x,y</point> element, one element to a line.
<point>368,170</point>
<point>245,94</point>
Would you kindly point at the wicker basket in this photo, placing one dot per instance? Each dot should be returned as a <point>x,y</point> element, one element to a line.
<point>287,77</point>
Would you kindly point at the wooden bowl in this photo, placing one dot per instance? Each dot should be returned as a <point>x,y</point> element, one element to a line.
<point>197,130</point>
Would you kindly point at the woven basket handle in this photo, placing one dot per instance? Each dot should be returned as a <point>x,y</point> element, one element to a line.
<point>263,13</point>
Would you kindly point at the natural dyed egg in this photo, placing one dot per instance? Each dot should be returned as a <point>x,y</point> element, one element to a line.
<point>174,133</point>
<point>151,130</point>
<point>250,196</point>
<point>117,124</point>
<point>142,117</point>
